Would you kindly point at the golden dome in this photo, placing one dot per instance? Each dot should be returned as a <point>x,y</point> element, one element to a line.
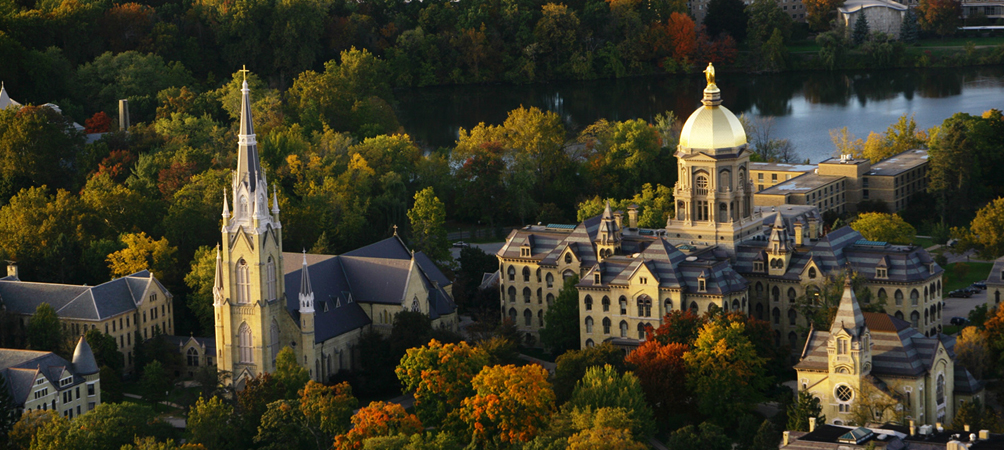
<point>712,126</point>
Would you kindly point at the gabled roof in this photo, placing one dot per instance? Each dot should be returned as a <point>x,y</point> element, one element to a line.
<point>99,302</point>
<point>23,367</point>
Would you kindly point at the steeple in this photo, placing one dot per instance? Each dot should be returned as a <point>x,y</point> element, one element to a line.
<point>306,293</point>
<point>608,237</point>
<point>849,315</point>
<point>218,282</point>
<point>248,166</point>
<point>5,101</point>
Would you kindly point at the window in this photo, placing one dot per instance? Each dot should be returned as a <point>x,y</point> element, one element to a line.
<point>624,329</point>
<point>589,343</point>
<point>881,273</point>
<point>568,258</point>
<point>914,297</point>
<point>758,266</point>
<point>512,273</point>
<point>641,331</point>
<point>915,319</point>
<point>623,304</point>
<point>512,315</point>
<point>243,284</point>
<point>702,285</point>
<point>90,390</point>
<point>527,317</point>
<point>792,316</point>
<point>540,318</point>
<point>606,303</point>
<point>843,393</point>
<point>526,295</point>
<point>526,274</point>
<point>244,343</point>
<point>550,280</point>
<point>606,325</point>
<point>589,303</point>
<point>776,293</point>
<point>940,389</point>
<point>899,297</point>
<point>270,283</point>
<point>540,296</point>
<point>777,316</point>
<point>512,294</point>
<point>589,324</point>
<point>550,298</point>
<point>538,274</point>
<point>791,295</point>
<point>793,339</point>
<point>645,306</point>
<point>812,272</point>
<point>193,357</point>
<point>842,346</point>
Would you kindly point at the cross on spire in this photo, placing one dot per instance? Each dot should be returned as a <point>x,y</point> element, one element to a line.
<point>244,71</point>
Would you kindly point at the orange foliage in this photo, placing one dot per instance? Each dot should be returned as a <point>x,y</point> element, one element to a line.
<point>117,164</point>
<point>128,26</point>
<point>662,372</point>
<point>512,403</point>
<point>377,419</point>
<point>171,179</point>
<point>683,35</point>
<point>98,123</point>
<point>327,408</point>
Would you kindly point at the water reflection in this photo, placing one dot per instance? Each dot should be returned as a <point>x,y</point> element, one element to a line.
<point>806,104</point>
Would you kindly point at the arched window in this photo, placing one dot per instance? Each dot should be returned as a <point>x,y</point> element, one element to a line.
<point>193,357</point>
<point>701,183</point>
<point>273,336</point>
<point>645,306</point>
<point>606,325</point>
<point>568,258</point>
<point>641,331</point>
<point>899,297</point>
<point>244,344</point>
<point>777,316</point>
<point>512,315</point>
<point>735,305</point>
<point>915,319</point>
<point>744,303</point>
<point>793,339</point>
<point>776,293</point>
<point>791,295</point>
<point>623,304</point>
<point>550,299</point>
<point>589,343</point>
<point>589,303</point>
<point>812,272</point>
<point>668,306</point>
<point>526,295</point>
<point>540,318</point>
<point>549,279</point>
<point>693,307</point>
<point>899,315</point>
<point>759,311</point>
<point>939,285</point>
<point>538,274</point>
<point>606,303</point>
<point>624,329</point>
<point>512,273</point>
<point>527,317</point>
<point>792,316</point>
<point>540,296</point>
<point>414,305</point>
<point>566,275</point>
<point>270,283</point>
<point>927,317</point>
<point>725,180</point>
<point>759,290</point>
<point>925,294</point>
<point>526,274</point>
<point>997,296</point>
<point>589,324</point>
<point>512,294</point>
<point>940,393</point>
<point>243,282</point>
<point>882,295</point>
<point>244,206</point>
<point>914,297</point>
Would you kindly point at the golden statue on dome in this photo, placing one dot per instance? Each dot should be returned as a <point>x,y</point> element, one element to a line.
<point>709,73</point>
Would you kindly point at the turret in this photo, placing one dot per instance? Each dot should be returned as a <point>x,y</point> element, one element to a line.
<point>306,293</point>
<point>849,348</point>
<point>779,248</point>
<point>83,359</point>
<point>218,281</point>
<point>608,237</point>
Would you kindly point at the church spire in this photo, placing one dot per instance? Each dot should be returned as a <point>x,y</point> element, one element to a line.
<point>849,315</point>
<point>248,165</point>
<point>218,282</point>
<point>306,292</point>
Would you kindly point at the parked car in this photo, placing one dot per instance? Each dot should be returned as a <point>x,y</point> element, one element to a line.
<point>461,244</point>
<point>959,321</point>
<point>952,242</point>
<point>971,290</point>
<point>980,285</point>
<point>960,293</point>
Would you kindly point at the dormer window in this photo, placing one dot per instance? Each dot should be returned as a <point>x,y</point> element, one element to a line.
<point>524,252</point>
<point>758,266</point>
<point>596,278</point>
<point>702,285</point>
<point>812,273</point>
<point>642,280</point>
<point>842,346</point>
<point>568,258</point>
<point>881,272</point>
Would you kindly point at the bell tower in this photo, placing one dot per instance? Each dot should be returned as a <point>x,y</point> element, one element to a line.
<point>608,237</point>
<point>779,249</point>
<point>248,293</point>
<point>849,345</point>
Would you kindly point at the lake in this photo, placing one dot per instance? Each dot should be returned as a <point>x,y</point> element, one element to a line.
<point>805,106</point>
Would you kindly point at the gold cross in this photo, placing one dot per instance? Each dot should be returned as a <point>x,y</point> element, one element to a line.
<point>244,70</point>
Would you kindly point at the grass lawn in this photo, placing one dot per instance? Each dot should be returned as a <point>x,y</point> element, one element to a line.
<point>978,271</point>
<point>951,329</point>
<point>960,41</point>
<point>923,242</point>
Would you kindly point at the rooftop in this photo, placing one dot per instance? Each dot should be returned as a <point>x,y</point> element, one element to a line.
<point>851,6</point>
<point>900,163</point>
<point>801,184</point>
<point>781,167</point>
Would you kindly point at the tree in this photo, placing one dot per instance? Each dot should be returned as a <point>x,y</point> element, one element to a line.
<point>847,143</point>
<point>977,416</point>
<point>909,30</point>
<point>142,253</point>
<point>155,381</point>
<point>282,427</point>
<point>861,29</point>
<point>605,387</point>
<point>572,365</point>
<point>129,75</point>
<point>987,229</point>
<point>36,145</point>
<point>683,34</point>
<point>939,16</point>
<point>149,443</point>
<point>804,407</point>
<point>727,16</point>
<point>428,225</point>
<point>105,350</point>
<point>885,228</point>
<point>378,419</point>
<point>289,373</point>
<point>8,410</point>
<point>724,371</point>
<point>212,424</point>
<point>327,410</point>
<point>604,438</point>
<point>971,352</point>
<point>200,280</point>
<point>662,372</point>
<point>901,136</point>
<point>707,436</point>
<point>819,13</point>
<point>29,425</point>
<point>32,224</point>
<point>510,406</point>
<point>832,47</point>
<point>98,123</point>
<point>775,56</point>
<point>44,331</point>
<point>253,401</point>
<point>764,17</point>
<point>561,321</point>
<point>680,327</point>
<point>440,376</point>
<point>109,425</point>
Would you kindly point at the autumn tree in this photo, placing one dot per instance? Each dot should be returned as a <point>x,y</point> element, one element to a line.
<point>440,376</point>
<point>683,34</point>
<point>212,424</point>
<point>605,387</point>
<point>510,405</point>
<point>885,228</point>
<point>98,123</point>
<point>977,416</point>
<point>41,232</point>
<point>819,13</point>
<point>804,407</point>
<point>377,419</point>
<point>724,371</point>
<point>428,225</point>
<point>253,401</point>
<point>571,366</point>
<point>30,424</point>
<point>939,16</point>
<point>898,138</point>
<point>142,253</point>
<point>561,321</point>
<point>289,373</point>
<point>681,326</point>
<point>44,331</point>
<point>847,143</point>
<point>971,352</point>
<point>604,438</point>
<point>282,427</point>
<point>662,373</point>
<point>327,410</point>
<point>987,229</point>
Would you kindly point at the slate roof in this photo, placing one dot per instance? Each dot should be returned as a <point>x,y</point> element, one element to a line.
<point>99,302</point>
<point>22,368</point>
<point>207,342</point>
<point>996,272</point>
<point>377,273</point>
<point>901,351</point>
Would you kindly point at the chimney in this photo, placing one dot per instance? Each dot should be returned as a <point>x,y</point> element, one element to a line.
<point>813,228</point>
<point>984,435</point>
<point>939,426</point>
<point>124,115</point>
<point>785,439</point>
<point>913,428</point>
<point>619,218</point>
<point>633,216</point>
<point>966,427</point>
<point>12,269</point>
<point>798,233</point>
<point>812,424</point>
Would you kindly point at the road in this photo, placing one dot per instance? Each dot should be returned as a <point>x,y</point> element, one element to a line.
<point>961,306</point>
<point>490,248</point>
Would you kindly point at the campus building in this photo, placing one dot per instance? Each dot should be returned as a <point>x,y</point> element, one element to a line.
<point>128,309</point>
<point>318,305</point>
<point>45,381</point>
<point>718,252</point>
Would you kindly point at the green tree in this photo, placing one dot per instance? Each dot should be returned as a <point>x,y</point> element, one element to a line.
<point>707,436</point>
<point>155,380</point>
<point>885,228</point>
<point>36,146</point>
<point>259,392</point>
<point>832,45</point>
<point>861,30</point>
<point>571,366</point>
<point>804,407</point>
<point>212,424</point>
<point>32,223</point>
<point>289,373</point>
<point>439,375</point>
<point>200,280</point>
<point>727,16</point>
<point>282,427</point>
<point>775,54</point>
<point>724,371</point>
<point>30,424</point>
<point>44,331</point>
<point>605,387</point>
<point>326,410</point>
<point>764,17</point>
<point>909,29</point>
<point>428,225</point>
<point>129,75</point>
<point>109,425</point>
<point>939,16</point>
<point>978,416</point>
<point>105,350</point>
<point>561,321</point>
<point>8,411</point>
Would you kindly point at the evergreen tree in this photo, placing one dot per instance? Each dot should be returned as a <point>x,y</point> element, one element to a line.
<point>561,321</point>
<point>44,331</point>
<point>909,29</point>
<point>805,407</point>
<point>861,29</point>
<point>8,410</point>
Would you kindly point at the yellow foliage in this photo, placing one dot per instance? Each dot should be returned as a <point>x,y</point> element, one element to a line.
<point>142,253</point>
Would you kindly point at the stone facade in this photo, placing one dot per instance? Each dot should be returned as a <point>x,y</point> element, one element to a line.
<point>44,381</point>
<point>885,16</point>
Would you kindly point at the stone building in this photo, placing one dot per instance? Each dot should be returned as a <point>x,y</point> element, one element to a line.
<point>719,252</point>
<point>885,16</point>
<point>128,308</point>
<point>317,305</point>
<point>196,352</point>
<point>995,284</point>
<point>44,380</point>
<point>872,356</point>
